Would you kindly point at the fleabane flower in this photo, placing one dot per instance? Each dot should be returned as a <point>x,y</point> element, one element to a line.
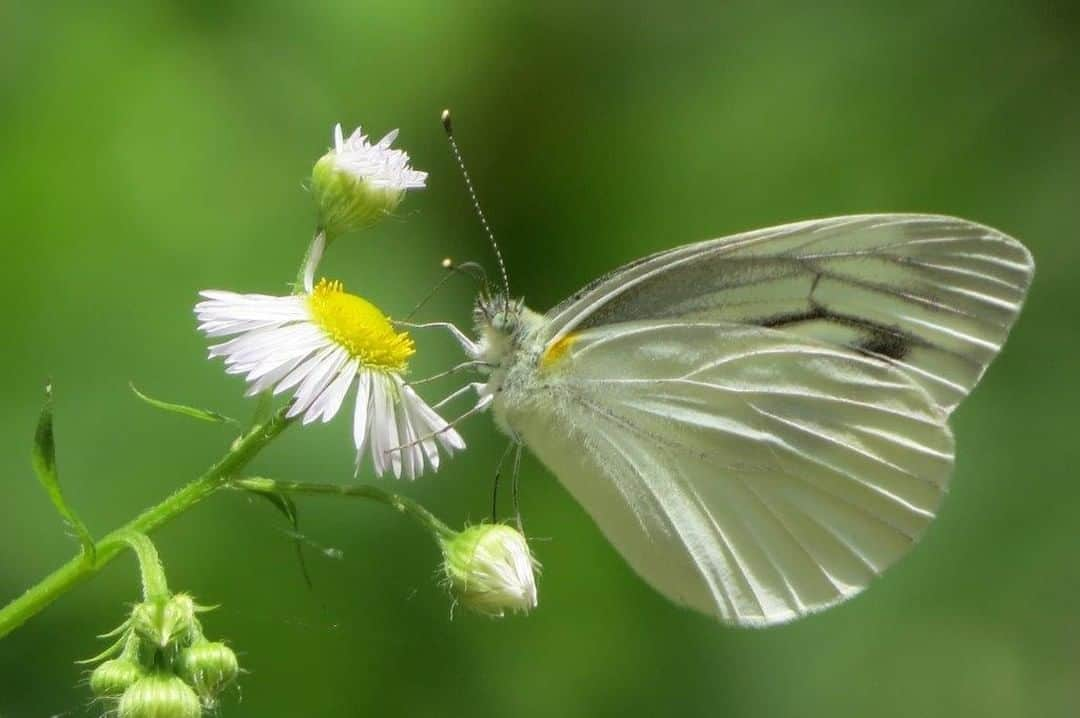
<point>490,569</point>
<point>320,344</point>
<point>356,183</point>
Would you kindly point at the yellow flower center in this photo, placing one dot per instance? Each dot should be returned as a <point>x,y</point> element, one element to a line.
<point>357,325</point>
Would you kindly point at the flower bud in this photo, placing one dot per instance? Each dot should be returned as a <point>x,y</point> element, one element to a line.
<point>112,678</point>
<point>356,183</point>
<point>208,666</point>
<point>159,695</point>
<point>489,568</point>
<point>166,621</point>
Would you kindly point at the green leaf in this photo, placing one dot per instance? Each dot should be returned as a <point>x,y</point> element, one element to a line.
<point>201,414</point>
<point>287,507</point>
<point>43,459</point>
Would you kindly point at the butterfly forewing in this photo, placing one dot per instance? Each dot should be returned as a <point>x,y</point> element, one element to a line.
<point>934,295</point>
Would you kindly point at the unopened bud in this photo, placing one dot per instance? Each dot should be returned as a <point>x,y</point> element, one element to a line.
<point>490,569</point>
<point>159,695</point>
<point>113,677</point>
<point>166,621</point>
<point>209,667</point>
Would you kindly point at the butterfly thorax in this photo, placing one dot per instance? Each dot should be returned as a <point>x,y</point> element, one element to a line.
<point>507,338</point>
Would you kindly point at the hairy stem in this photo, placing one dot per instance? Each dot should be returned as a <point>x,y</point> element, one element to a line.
<point>78,569</point>
<point>401,504</point>
<point>154,585</point>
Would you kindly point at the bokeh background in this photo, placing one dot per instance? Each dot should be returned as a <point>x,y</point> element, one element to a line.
<point>149,149</point>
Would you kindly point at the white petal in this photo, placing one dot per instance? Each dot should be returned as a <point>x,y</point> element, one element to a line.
<point>385,439</point>
<point>412,403</point>
<point>255,345</point>
<point>447,436</point>
<point>252,307</point>
<point>451,440</point>
<point>408,450</point>
<point>328,403</point>
<point>316,382</point>
<point>285,354</point>
<point>271,377</point>
<point>360,416</point>
<point>377,419</point>
<point>225,328</point>
<point>411,434</point>
<point>318,246</point>
<point>304,368</point>
<point>387,140</point>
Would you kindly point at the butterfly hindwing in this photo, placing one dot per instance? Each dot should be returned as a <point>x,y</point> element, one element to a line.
<point>746,472</point>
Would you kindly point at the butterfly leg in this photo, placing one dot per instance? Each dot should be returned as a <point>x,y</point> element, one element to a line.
<point>475,386</point>
<point>516,484</point>
<point>470,347</point>
<point>481,405</point>
<point>495,485</point>
<point>452,370</point>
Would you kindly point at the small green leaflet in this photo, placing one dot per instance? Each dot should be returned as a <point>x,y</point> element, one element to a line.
<point>201,414</point>
<point>43,459</point>
<point>287,507</point>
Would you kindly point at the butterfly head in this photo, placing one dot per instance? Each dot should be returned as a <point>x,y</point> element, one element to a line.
<point>498,313</point>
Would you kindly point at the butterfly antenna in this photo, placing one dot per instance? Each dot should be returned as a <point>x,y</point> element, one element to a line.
<point>470,269</point>
<point>472,194</point>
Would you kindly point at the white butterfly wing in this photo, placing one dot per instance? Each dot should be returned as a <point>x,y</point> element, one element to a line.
<point>745,472</point>
<point>935,295</point>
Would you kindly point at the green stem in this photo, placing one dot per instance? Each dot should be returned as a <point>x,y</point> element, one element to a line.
<point>80,568</point>
<point>401,504</point>
<point>154,585</point>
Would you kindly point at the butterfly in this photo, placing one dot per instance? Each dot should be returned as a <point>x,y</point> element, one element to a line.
<point>759,424</point>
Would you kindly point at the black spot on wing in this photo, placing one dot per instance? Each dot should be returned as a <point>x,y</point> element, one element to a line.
<point>876,339</point>
<point>816,312</point>
<point>892,344</point>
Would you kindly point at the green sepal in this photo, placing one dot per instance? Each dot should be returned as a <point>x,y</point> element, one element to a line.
<point>345,202</point>
<point>107,653</point>
<point>118,630</point>
<point>43,459</point>
<point>201,414</point>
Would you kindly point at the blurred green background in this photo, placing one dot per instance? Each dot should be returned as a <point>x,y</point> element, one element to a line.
<point>151,149</point>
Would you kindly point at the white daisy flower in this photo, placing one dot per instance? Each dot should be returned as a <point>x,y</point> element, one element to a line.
<point>320,344</point>
<point>357,183</point>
